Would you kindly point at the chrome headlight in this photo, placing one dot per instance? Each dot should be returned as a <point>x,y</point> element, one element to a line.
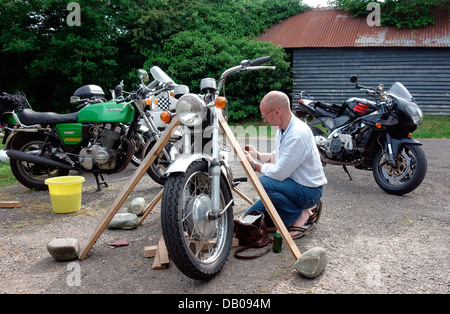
<point>415,113</point>
<point>190,110</point>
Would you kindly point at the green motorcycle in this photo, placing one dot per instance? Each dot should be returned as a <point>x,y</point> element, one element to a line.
<point>98,139</point>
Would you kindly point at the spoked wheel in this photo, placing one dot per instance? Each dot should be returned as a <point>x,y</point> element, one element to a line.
<point>406,176</point>
<point>199,247</point>
<point>33,175</point>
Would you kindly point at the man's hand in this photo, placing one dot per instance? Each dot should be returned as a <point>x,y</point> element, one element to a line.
<point>250,159</point>
<point>252,151</point>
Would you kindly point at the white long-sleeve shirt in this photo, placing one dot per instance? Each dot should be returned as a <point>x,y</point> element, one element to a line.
<point>296,156</point>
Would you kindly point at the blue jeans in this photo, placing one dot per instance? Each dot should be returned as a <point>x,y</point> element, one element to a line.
<point>289,199</point>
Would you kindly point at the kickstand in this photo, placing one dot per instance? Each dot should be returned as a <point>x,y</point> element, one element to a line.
<point>346,171</point>
<point>100,183</point>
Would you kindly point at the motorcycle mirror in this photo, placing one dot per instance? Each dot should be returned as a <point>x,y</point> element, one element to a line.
<point>118,90</point>
<point>143,75</point>
<point>354,79</point>
<point>74,99</point>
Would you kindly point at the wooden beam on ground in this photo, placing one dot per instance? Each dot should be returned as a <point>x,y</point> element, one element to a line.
<point>161,260</point>
<point>132,182</point>
<point>259,188</point>
<point>9,204</point>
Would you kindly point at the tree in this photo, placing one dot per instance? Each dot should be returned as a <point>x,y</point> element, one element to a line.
<point>42,55</point>
<point>398,13</point>
<point>219,35</point>
<point>46,56</point>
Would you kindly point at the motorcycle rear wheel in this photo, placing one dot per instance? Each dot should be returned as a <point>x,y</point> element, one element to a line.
<point>199,247</point>
<point>407,176</point>
<point>32,175</point>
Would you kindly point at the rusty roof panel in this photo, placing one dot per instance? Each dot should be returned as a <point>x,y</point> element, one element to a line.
<point>332,27</point>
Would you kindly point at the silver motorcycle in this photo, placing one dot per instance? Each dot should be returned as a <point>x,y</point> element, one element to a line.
<point>197,204</point>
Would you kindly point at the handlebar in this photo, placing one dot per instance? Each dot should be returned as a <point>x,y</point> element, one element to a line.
<point>259,61</point>
<point>246,66</point>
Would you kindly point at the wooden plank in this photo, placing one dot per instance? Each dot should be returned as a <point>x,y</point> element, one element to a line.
<point>157,263</point>
<point>150,206</point>
<point>10,204</point>
<point>150,251</point>
<point>259,188</point>
<point>161,260</point>
<point>162,251</point>
<point>132,182</point>
<point>241,194</point>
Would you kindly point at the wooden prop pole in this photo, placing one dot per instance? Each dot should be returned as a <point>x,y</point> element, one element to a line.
<point>132,182</point>
<point>259,188</point>
<point>150,206</point>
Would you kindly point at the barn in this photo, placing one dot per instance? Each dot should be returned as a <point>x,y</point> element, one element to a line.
<point>329,46</point>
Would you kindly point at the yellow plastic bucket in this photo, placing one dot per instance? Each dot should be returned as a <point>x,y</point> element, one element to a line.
<point>65,193</point>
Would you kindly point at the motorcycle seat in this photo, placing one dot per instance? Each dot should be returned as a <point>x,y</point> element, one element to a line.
<point>28,117</point>
<point>327,110</point>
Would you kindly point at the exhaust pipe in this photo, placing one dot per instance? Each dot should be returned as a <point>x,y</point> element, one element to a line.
<point>326,160</point>
<point>17,154</point>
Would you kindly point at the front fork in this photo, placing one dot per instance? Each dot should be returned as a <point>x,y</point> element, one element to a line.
<point>215,168</point>
<point>389,152</point>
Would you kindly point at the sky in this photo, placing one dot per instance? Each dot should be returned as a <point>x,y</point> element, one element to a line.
<point>315,3</point>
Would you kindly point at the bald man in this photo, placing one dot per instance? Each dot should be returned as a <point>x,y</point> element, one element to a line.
<point>292,176</point>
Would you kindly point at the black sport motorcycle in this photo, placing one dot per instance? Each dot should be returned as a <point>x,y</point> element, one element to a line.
<point>371,135</point>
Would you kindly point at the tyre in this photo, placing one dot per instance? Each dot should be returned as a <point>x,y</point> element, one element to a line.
<point>141,140</point>
<point>157,169</point>
<point>407,176</point>
<point>33,175</point>
<point>199,247</point>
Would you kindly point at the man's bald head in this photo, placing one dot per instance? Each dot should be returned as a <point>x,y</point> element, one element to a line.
<point>276,99</point>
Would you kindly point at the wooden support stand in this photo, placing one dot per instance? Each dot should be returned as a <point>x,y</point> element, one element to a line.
<point>157,148</point>
<point>259,188</point>
<point>133,181</point>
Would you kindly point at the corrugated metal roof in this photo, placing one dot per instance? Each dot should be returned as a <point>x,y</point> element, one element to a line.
<point>332,27</point>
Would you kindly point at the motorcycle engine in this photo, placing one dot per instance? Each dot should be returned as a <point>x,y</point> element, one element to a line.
<point>101,153</point>
<point>336,143</point>
<point>343,142</point>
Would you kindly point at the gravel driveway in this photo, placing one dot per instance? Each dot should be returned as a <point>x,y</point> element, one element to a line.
<point>376,243</point>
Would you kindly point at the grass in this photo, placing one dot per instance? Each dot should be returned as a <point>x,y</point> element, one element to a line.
<point>433,127</point>
<point>437,127</point>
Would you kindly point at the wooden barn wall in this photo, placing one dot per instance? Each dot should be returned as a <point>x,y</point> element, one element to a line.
<point>325,73</point>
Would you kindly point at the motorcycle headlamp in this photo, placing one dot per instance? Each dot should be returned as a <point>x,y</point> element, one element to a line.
<point>415,113</point>
<point>190,110</point>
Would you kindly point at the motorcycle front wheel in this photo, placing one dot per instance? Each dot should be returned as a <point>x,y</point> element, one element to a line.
<point>33,175</point>
<point>406,176</point>
<point>199,247</point>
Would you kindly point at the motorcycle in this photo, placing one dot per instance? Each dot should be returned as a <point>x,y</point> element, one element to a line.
<point>371,135</point>
<point>197,203</point>
<point>99,138</point>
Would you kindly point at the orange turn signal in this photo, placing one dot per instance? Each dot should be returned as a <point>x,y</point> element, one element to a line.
<point>148,101</point>
<point>165,116</point>
<point>220,102</point>
<point>378,125</point>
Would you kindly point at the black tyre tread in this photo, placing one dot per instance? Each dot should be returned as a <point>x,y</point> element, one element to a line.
<point>174,236</point>
<point>421,170</point>
<point>15,164</point>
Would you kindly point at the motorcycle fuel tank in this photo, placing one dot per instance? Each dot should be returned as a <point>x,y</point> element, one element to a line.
<point>107,112</point>
<point>361,106</point>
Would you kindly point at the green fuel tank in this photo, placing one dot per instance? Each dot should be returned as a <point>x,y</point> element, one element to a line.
<point>107,112</point>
